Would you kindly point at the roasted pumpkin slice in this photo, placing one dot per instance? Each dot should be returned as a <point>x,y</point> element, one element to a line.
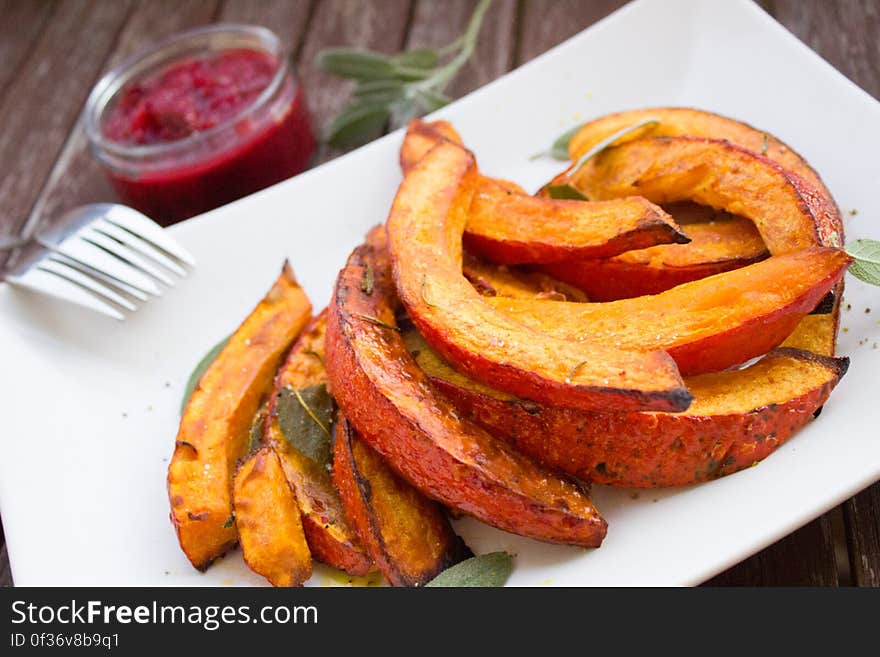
<point>268,521</point>
<point>716,246</point>
<point>424,234</point>
<point>407,535</point>
<point>397,412</point>
<point>789,213</point>
<point>736,419</point>
<point>215,428</point>
<point>510,227</point>
<point>492,280</point>
<point>298,425</point>
<point>705,325</point>
<point>678,121</point>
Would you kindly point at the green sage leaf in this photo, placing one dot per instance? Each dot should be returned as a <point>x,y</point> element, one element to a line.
<point>565,192</point>
<point>200,368</point>
<point>358,125</point>
<point>306,418</point>
<point>355,64</point>
<point>421,58</point>
<point>256,433</point>
<point>432,100</point>
<point>559,148</point>
<point>492,569</point>
<point>866,266</point>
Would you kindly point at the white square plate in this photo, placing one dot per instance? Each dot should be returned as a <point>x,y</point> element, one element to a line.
<point>90,406</point>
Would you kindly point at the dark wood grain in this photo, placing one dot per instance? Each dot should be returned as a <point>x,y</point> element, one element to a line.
<point>862,515</point>
<point>76,177</point>
<point>435,24</point>
<point>41,104</point>
<point>545,23</point>
<point>23,22</point>
<point>373,24</point>
<point>287,19</point>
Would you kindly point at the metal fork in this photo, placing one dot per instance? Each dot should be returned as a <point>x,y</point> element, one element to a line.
<point>103,256</point>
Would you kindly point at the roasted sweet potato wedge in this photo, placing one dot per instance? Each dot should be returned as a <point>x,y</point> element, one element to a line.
<point>716,246</point>
<point>789,213</point>
<point>424,235</point>
<point>493,280</point>
<point>397,412</point>
<point>705,325</point>
<point>678,121</point>
<point>300,380</point>
<point>510,227</point>
<point>736,419</point>
<point>407,535</point>
<point>268,521</point>
<point>215,427</point>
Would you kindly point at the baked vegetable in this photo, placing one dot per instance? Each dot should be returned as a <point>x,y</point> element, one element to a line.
<point>215,427</point>
<point>678,121</point>
<point>424,234</point>
<point>397,412</point>
<point>493,280</point>
<point>300,418</point>
<point>268,521</point>
<point>510,227</point>
<point>406,534</point>
<point>789,213</point>
<point>737,418</point>
<point>716,246</point>
<point>705,325</point>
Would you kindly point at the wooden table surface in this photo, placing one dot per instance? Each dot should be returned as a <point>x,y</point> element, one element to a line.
<point>52,52</point>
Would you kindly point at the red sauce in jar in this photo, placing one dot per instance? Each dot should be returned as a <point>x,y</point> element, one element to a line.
<point>197,95</point>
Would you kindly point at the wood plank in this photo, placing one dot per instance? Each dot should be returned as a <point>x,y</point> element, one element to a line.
<point>374,24</point>
<point>804,558</point>
<point>438,23</point>
<point>5,572</point>
<point>39,108</point>
<point>287,19</point>
<point>844,33</point>
<point>862,515</point>
<point>76,177</point>
<point>545,23</point>
<point>23,22</point>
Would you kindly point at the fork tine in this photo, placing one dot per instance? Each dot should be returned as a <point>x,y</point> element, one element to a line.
<point>140,225</point>
<point>98,259</point>
<point>59,287</point>
<point>100,276</point>
<point>136,243</point>
<point>124,253</point>
<point>75,276</point>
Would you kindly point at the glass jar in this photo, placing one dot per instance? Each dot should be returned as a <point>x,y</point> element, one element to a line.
<point>260,143</point>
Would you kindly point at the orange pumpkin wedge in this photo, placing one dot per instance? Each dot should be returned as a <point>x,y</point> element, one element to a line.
<point>215,427</point>
<point>397,412</point>
<point>509,227</point>
<point>407,535</point>
<point>705,325</point>
<point>424,228</point>
<point>330,536</point>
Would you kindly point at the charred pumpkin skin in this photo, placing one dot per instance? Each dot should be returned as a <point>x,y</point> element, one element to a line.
<point>407,535</point>
<point>268,521</point>
<point>715,247</point>
<point>424,235</point>
<point>706,325</point>
<point>215,427</point>
<point>397,412</point>
<point>492,280</point>
<point>330,536</point>
<point>737,419</point>
<point>510,227</point>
